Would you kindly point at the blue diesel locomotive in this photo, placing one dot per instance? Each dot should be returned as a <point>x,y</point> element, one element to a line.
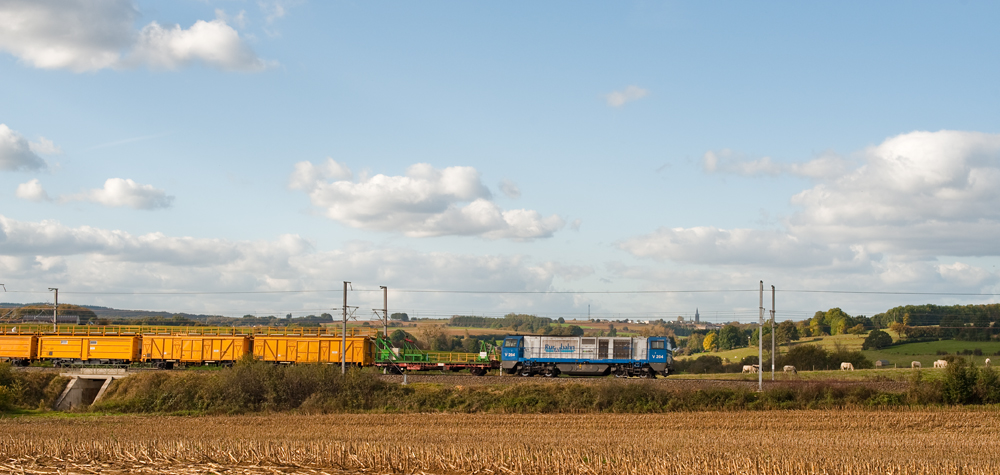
<point>587,356</point>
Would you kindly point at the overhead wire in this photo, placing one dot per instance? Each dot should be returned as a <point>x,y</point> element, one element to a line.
<point>508,292</point>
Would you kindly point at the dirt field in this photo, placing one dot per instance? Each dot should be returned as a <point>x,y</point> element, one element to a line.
<point>779,442</point>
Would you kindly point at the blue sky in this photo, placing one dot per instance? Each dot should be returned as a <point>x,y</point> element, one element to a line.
<point>235,146</point>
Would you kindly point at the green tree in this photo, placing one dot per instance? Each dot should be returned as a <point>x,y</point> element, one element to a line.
<point>694,343</point>
<point>398,337</point>
<point>730,337</point>
<point>804,328</point>
<point>876,340</point>
<point>767,335</point>
<point>786,332</point>
<point>900,328</point>
<point>403,317</point>
<point>856,329</point>
<point>836,320</point>
<point>817,324</point>
<point>470,344</point>
<point>948,324</point>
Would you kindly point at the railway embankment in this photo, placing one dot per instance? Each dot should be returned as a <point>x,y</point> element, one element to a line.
<point>252,386</point>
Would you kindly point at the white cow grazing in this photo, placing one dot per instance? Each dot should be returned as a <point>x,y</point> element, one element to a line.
<point>915,364</point>
<point>940,364</point>
<point>790,369</point>
<point>846,366</point>
<point>987,363</point>
<point>748,368</point>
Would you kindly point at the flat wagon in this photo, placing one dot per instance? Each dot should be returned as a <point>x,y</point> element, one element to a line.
<point>586,356</point>
<point>410,358</point>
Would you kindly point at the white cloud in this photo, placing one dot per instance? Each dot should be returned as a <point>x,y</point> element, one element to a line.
<point>714,246</point>
<point>740,302</point>
<point>922,193</point>
<point>568,273</point>
<point>424,202</point>
<point>629,94</point>
<point>125,192</point>
<point>16,152</point>
<point>914,197</point>
<point>239,20</point>
<point>307,176</point>
<point>214,43</point>
<point>510,189</point>
<point>81,36</point>
<point>32,191</point>
<point>275,9</point>
<point>44,146</point>
<point>85,258</point>
<point>729,162</point>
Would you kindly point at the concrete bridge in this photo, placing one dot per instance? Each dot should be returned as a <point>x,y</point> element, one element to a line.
<point>86,386</point>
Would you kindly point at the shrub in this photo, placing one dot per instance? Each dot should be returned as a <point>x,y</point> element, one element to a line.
<point>877,340</point>
<point>806,357</point>
<point>959,382</point>
<point>250,386</point>
<point>702,364</point>
<point>24,390</point>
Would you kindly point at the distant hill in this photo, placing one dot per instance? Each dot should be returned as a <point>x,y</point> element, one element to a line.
<point>98,315</point>
<point>108,312</point>
<point>42,309</point>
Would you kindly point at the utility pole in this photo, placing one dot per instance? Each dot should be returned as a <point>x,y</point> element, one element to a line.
<point>772,333</point>
<point>343,335</point>
<point>760,342</point>
<point>55,309</point>
<point>385,310</point>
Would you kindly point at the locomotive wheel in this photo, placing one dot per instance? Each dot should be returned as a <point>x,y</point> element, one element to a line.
<point>526,373</point>
<point>550,373</point>
<point>645,374</point>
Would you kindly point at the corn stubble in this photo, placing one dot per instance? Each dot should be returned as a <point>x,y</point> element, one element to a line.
<point>772,442</point>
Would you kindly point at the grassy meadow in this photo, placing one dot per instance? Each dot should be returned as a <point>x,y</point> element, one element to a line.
<point>900,355</point>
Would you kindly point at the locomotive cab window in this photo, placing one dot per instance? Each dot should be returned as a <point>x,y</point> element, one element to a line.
<point>511,343</point>
<point>657,345</point>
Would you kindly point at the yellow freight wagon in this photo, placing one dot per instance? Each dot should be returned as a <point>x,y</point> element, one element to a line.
<point>313,349</point>
<point>194,348</point>
<point>89,349</point>
<point>18,349</point>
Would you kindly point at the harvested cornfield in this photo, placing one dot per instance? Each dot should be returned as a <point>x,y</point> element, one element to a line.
<point>765,442</point>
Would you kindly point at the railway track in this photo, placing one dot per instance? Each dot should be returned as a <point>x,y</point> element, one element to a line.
<point>465,380</point>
